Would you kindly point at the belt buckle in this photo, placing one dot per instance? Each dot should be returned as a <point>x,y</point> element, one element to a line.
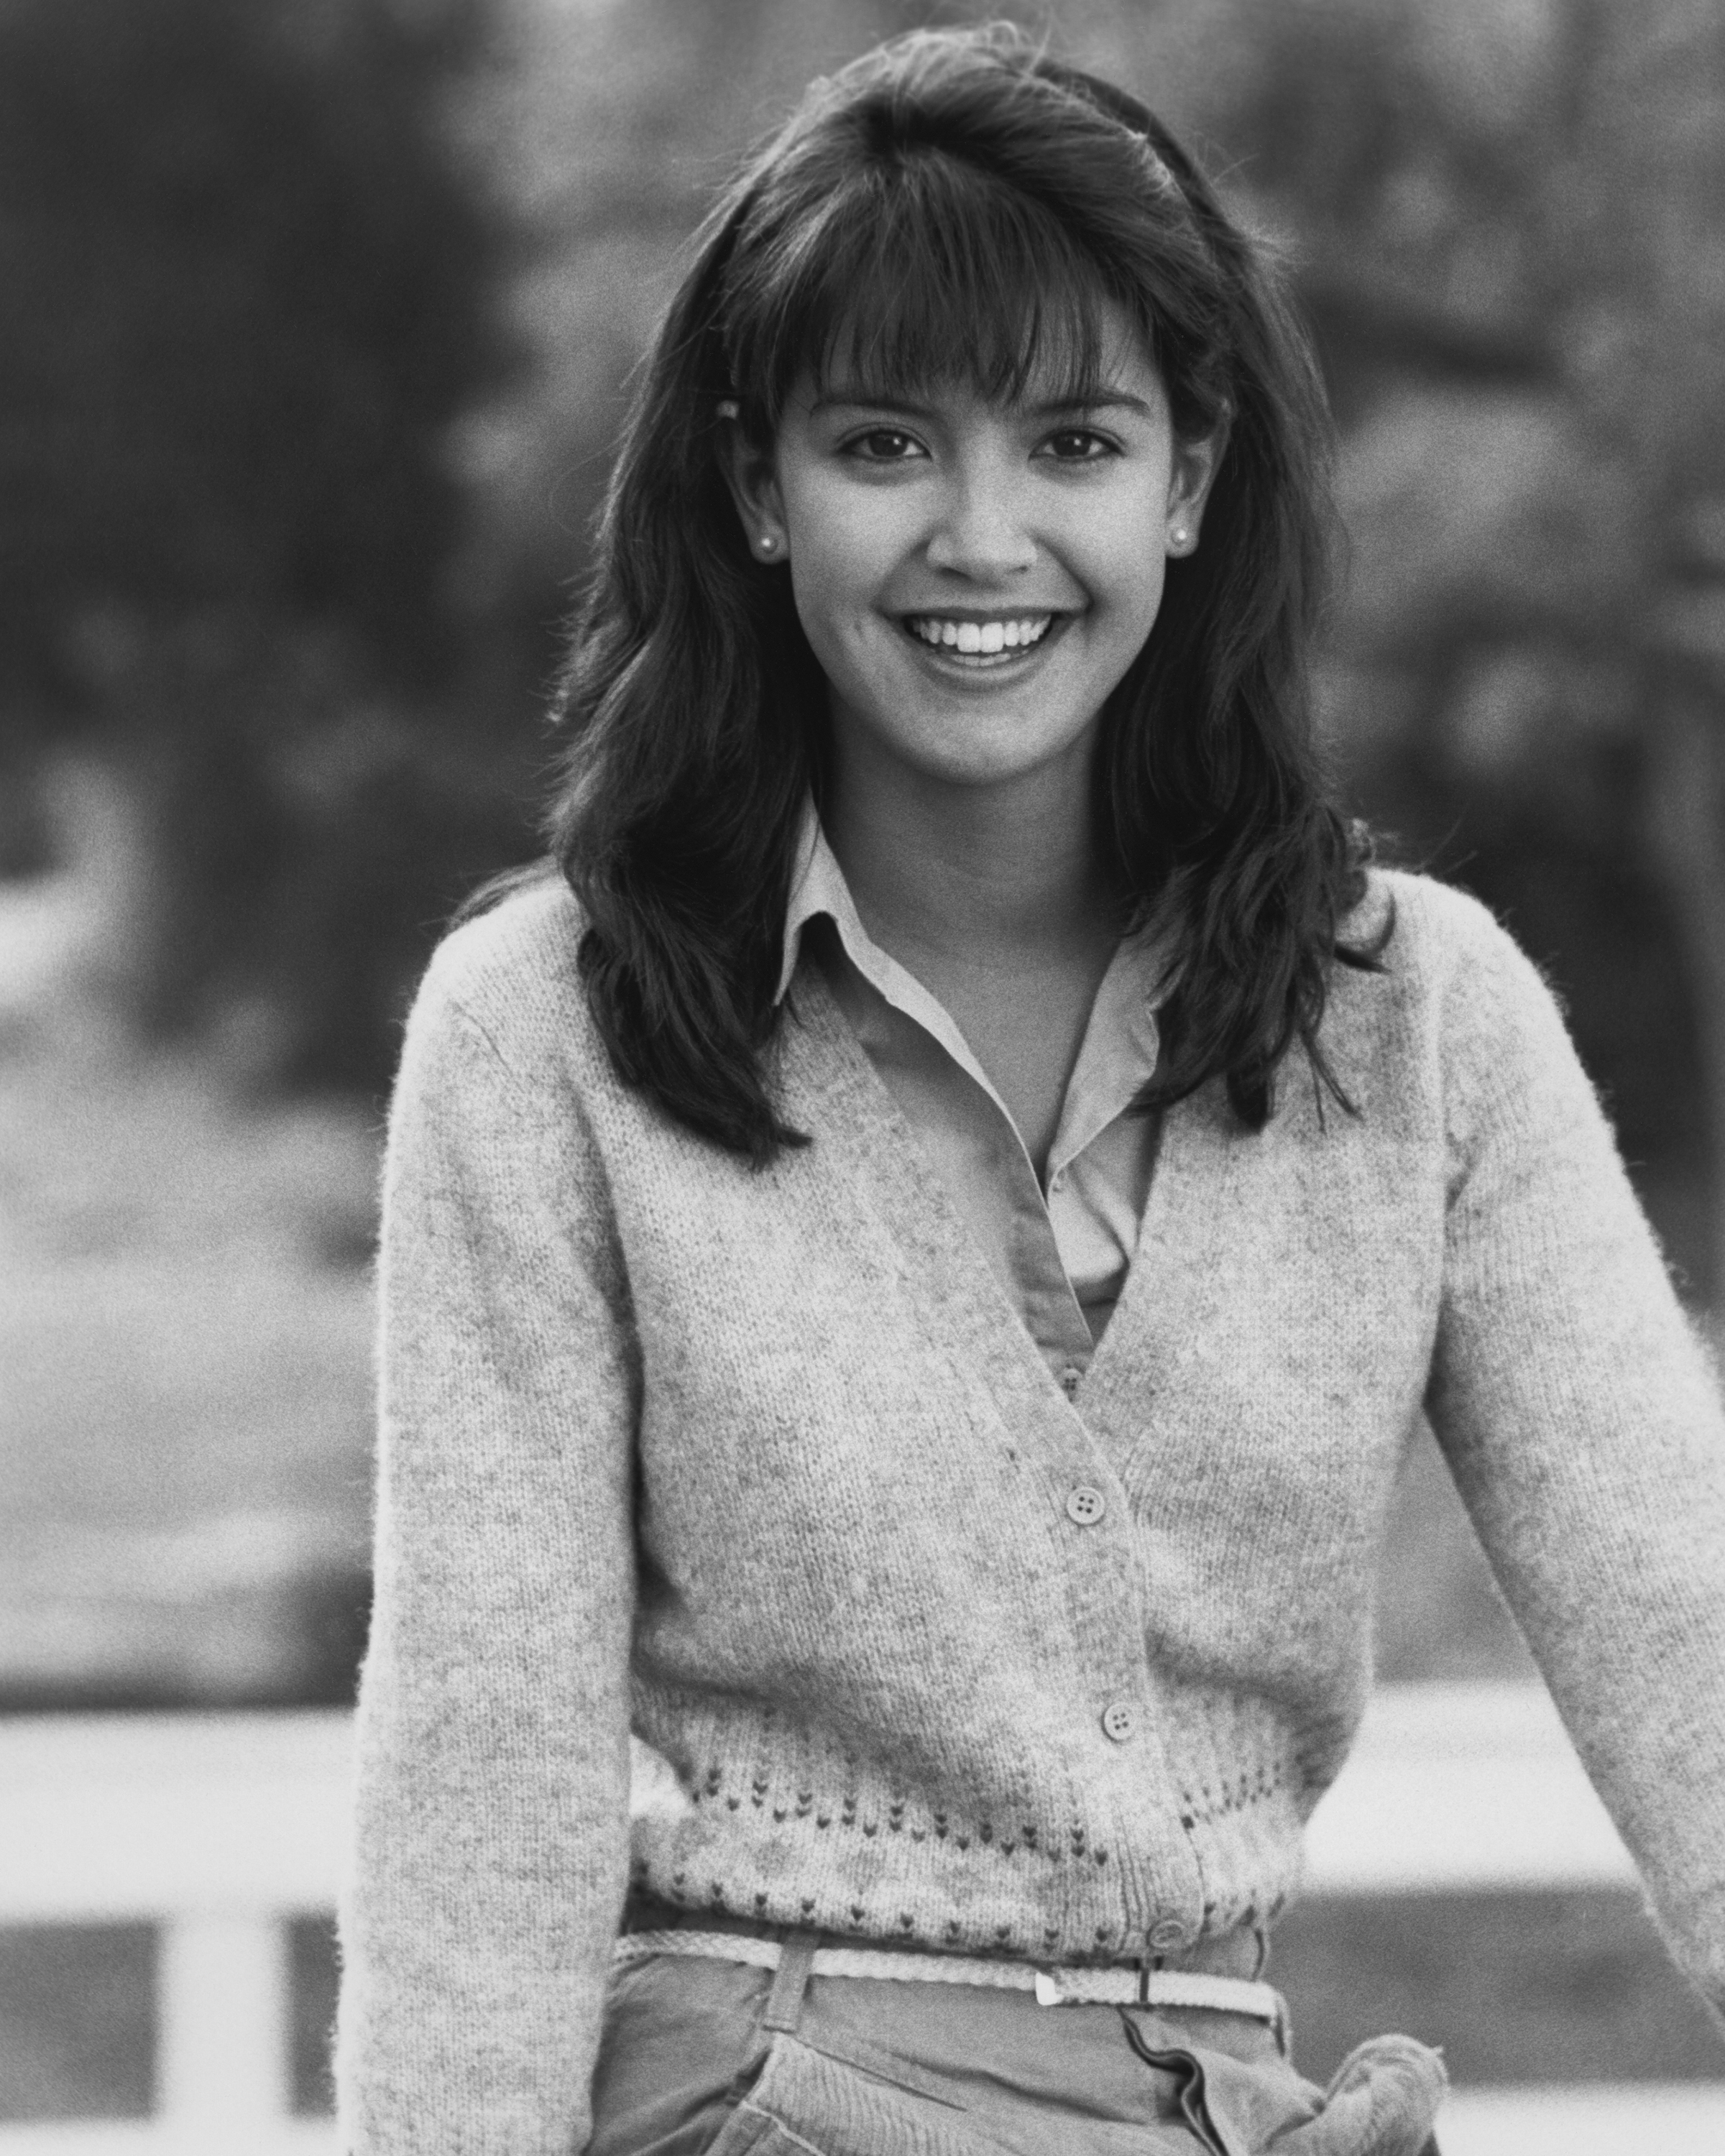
<point>1048,1989</point>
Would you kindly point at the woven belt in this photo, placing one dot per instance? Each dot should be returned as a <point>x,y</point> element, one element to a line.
<point>1053,1987</point>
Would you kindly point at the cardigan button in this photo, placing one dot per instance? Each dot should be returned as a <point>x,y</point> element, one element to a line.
<point>1169,1935</point>
<point>1085,1505</point>
<point>1119,1721</point>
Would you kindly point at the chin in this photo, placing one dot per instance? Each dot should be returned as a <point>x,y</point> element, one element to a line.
<point>972,766</point>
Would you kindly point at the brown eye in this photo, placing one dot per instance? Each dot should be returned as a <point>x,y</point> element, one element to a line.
<point>1078,445</point>
<point>884,445</point>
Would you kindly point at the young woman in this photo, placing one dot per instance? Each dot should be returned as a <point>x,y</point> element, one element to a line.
<point>910,1266</point>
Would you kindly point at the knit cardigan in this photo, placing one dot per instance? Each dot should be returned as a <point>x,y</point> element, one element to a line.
<point>762,1463</point>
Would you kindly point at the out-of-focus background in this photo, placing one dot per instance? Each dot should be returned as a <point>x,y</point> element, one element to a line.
<point>318,316</point>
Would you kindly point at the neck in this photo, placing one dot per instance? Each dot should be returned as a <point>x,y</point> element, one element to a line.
<point>992,874</point>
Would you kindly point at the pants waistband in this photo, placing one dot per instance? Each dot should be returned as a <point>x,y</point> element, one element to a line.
<point>796,1958</point>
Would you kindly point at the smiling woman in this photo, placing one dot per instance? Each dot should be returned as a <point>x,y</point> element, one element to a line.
<point>927,543</point>
<point>913,1252</point>
<point>1013,242</point>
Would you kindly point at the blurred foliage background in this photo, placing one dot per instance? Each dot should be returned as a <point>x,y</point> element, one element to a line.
<point>319,316</point>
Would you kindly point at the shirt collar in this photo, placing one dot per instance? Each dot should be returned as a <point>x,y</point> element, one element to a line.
<point>1122,1043</point>
<point>817,887</point>
<point>820,889</point>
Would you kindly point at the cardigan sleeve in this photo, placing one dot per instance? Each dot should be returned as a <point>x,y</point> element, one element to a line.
<point>1582,1423</point>
<point>488,1865</point>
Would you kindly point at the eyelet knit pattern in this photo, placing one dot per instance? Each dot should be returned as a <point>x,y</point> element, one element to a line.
<point>762,1466</point>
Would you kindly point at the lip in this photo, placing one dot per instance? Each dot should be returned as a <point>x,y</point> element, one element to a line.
<point>1008,665</point>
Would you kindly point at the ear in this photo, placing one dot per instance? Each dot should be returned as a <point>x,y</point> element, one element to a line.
<point>751,474</point>
<point>1195,465</point>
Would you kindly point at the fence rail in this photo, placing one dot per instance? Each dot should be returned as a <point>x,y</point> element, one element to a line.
<point>221,1828</point>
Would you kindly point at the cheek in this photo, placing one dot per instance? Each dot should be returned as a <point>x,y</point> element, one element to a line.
<point>831,604</point>
<point>1127,566</point>
<point>839,567</point>
<point>845,540</point>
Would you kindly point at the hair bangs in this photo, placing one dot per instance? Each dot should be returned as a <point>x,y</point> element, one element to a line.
<point>926,273</point>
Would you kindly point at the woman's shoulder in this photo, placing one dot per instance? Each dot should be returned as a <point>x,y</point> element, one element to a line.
<point>1453,975</point>
<point>512,971</point>
<point>1433,918</point>
<point>1431,936</point>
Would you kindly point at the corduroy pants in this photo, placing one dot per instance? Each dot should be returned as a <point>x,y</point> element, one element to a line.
<point>691,2065</point>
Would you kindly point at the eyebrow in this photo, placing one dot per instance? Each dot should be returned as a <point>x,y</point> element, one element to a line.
<point>1104,400</point>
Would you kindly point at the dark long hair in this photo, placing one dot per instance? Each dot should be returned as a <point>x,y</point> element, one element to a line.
<point>953,204</point>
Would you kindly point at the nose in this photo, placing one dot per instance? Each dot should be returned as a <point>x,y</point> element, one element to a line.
<point>981,533</point>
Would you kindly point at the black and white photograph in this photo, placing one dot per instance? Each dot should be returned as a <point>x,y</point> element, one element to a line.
<point>862,1078</point>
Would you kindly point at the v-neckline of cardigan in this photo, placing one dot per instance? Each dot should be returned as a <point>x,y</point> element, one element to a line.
<point>921,1200</point>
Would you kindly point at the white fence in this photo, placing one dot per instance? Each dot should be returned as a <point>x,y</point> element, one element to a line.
<point>218,1827</point>
<point>221,1827</point>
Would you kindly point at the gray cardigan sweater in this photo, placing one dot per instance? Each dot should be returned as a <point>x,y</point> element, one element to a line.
<point>763,1465</point>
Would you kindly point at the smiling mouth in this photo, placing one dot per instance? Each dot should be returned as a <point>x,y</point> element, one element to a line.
<point>980,644</point>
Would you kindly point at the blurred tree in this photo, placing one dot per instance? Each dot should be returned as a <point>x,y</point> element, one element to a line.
<point>248,288</point>
<point>1512,221</point>
<point>1649,346</point>
<point>251,279</point>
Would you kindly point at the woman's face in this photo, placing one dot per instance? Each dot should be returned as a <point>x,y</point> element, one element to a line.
<point>975,578</point>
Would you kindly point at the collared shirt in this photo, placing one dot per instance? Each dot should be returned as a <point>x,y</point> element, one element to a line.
<point>1060,1250</point>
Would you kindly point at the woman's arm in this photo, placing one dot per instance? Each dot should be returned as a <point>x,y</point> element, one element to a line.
<point>1583,1425</point>
<point>492,1753</point>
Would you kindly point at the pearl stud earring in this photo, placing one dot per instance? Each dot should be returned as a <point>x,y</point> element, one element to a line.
<point>1177,539</point>
<point>767,543</point>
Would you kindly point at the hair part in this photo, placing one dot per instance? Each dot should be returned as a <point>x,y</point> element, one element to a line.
<point>954,205</point>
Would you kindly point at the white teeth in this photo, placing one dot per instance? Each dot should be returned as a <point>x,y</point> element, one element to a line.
<point>981,639</point>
